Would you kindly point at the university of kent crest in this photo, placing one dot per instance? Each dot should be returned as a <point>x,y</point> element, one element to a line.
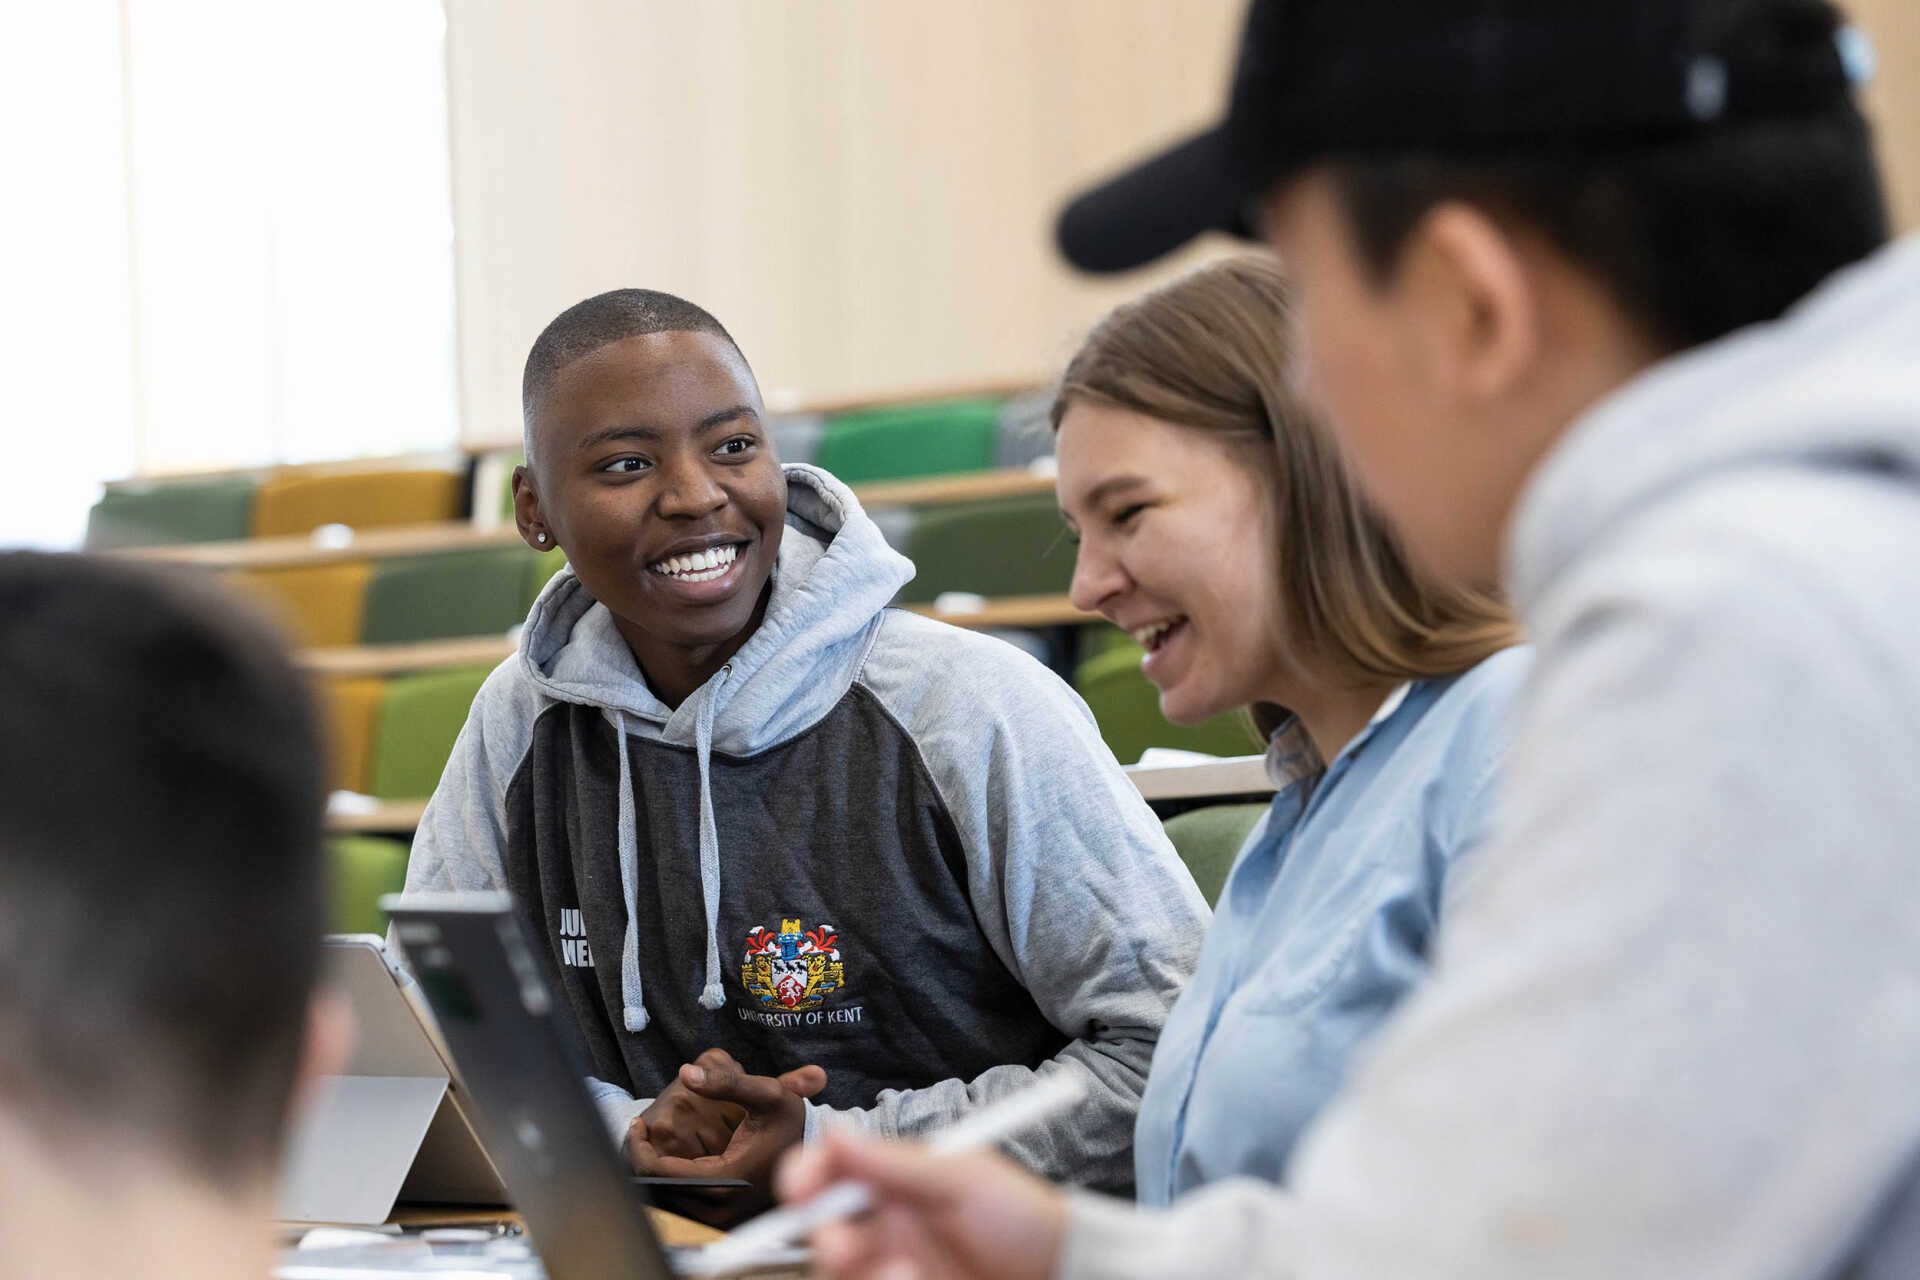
<point>790,970</point>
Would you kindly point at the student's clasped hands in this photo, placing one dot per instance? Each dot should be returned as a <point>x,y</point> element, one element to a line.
<point>718,1121</point>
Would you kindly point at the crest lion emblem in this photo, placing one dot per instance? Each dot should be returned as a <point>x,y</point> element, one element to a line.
<point>792,971</point>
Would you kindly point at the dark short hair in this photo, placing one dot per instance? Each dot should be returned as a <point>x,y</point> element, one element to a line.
<point>1693,238</point>
<point>585,327</point>
<point>161,881</point>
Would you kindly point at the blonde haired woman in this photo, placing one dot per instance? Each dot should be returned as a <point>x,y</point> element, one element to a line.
<point>1218,526</point>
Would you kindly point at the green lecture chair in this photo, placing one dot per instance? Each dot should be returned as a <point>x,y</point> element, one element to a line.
<point>911,440</point>
<point>1208,839</point>
<point>198,511</point>
<point>364,867</point>
<point>1003,547</point>
<point>479,592</point>
<point>413,735</point>
<point>1127,708</point>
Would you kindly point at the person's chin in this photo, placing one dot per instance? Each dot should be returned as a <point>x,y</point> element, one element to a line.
<point>1184,704</point>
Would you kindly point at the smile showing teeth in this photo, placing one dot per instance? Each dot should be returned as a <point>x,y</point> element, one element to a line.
<point>1149,637</point>
<point>697,566</point>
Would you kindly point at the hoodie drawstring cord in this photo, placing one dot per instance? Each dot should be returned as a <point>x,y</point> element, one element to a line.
<point>712,996</point>
<point>634,1008</point>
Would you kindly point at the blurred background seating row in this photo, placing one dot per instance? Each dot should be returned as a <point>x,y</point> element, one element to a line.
<point>391,735</point>
<point>939,437</point>
<point>289,502</point>
<point>367,866</point>
<point>404,599</point>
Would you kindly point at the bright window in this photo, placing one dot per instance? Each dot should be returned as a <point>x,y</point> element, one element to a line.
<point>244,250</point>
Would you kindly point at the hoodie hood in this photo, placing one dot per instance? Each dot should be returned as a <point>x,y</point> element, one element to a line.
<point>834,574</point>
<point>833,577</point>
<point>1834,383</point>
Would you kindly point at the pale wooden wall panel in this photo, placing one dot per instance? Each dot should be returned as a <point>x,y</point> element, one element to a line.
<point>862,190</point>
<point>1893,100</point>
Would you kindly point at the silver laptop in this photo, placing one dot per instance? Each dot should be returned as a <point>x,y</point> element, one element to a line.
<point>397,1123</point>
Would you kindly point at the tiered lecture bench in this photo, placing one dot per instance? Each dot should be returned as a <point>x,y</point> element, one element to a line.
<point>1228,778</point>
<point>458,535</point>
<point>1175,785</point>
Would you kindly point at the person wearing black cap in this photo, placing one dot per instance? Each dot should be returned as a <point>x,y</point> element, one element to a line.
<point>1598,300</point>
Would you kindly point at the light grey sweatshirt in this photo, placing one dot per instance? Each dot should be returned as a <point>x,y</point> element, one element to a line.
<point>1673,1024</point>
<point>871,841</point>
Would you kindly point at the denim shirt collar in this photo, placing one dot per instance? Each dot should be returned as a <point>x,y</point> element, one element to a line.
<point>1292,757</point>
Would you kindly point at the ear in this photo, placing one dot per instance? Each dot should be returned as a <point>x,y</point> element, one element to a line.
<point>527,516</point>
<point>1472,281</point>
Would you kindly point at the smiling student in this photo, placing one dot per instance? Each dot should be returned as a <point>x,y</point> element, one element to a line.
<point>771,825</point>
<point>1216,519</point>
<point>1597,299</point>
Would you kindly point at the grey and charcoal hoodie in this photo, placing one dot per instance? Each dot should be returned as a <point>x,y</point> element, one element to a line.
<point>1672,1026</point>
<point>871,841</point>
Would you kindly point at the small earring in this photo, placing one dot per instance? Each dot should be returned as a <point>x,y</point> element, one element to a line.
<point>539,537</point>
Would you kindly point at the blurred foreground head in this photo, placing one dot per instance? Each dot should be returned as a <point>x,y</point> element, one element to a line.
<point>160,870</point>
<point>1496,212</point>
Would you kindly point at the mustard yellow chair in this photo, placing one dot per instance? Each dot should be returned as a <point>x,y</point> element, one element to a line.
<point>292,502</point>
<point>321,604</point>
<point>349,711</point>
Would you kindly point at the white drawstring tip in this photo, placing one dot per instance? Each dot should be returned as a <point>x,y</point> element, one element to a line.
<point>712,997</point>
<point>636,1017</point>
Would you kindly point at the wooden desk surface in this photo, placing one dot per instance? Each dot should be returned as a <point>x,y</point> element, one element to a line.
<point>391,659</point>
<point>1235,776</point>
<point>670,1227</point>
<point>299,549</point>
<point>1231,776</point>
<point>430,655</point>
<point>1011,611</point>
<point>398,817</point>
<point>968,486</point>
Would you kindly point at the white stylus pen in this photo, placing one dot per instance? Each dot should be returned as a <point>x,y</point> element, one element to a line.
<point>781,1228</point>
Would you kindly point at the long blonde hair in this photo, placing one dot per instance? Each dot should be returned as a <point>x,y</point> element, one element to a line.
<point>1209,353</point>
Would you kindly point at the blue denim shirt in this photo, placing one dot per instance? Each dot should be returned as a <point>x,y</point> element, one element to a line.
<point>1322,927</point>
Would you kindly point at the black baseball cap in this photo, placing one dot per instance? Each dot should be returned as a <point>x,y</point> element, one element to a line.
<point>1323,78</point>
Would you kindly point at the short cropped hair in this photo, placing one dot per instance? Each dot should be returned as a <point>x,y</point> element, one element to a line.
<point>585,327</point>
<point>161,881</point>
<point>1693,239</point>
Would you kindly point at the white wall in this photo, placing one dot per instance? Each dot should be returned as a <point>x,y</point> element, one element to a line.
<point>1893,100</point>
<point>861,190</point>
